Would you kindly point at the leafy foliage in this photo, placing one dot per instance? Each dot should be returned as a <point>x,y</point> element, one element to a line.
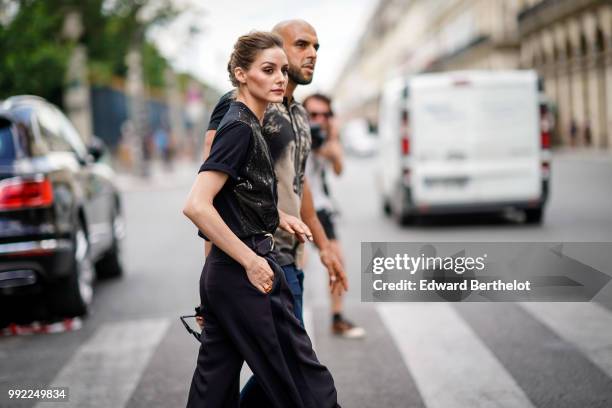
<point>35,52</point>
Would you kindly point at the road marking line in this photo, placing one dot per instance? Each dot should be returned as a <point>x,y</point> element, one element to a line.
<point>106,369</point>
<point>586,325</point>
<point>449,363</point>
<point>309,324</point>
<point>245,374</point>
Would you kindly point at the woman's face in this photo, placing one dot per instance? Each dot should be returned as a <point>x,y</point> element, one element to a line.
<point>266,78</point>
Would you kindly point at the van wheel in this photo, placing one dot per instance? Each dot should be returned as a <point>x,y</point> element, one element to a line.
<point>404,219</point>
<point>71,296</point>
<point>400,216</point>
<point>534,215</point>
<point>111,265</point>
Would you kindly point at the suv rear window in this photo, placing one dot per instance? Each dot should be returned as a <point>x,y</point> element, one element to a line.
<point>7,147</point>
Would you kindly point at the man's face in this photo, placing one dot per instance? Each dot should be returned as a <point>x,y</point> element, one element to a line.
<point>301,45</point>
<point>319,112</point>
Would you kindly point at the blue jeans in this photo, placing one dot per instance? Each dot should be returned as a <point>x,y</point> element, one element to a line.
<point>295,281</point>
<point>252,395</point>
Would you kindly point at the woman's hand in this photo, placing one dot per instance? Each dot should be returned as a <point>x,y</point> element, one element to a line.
<point>260,274</point>
<point>294,225</point>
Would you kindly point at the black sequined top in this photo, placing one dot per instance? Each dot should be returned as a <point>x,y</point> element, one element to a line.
<point>248,200</point>
<point>287,133</point>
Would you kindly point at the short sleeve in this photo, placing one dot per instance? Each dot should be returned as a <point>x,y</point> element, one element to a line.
<point>220,110</point>
<point>229,149</point>
<point>202,236</point>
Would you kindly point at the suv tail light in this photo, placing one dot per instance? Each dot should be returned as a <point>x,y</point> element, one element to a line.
<point>18,193</point>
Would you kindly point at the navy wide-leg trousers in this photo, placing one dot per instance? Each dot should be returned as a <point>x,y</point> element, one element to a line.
<point>244,324</point>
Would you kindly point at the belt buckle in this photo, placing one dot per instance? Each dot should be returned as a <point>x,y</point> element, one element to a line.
<point>259,245</point>
<point>271,240</point>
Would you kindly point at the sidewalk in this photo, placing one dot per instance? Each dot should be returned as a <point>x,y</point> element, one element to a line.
<point>582,153</point>
<point>181,175</point>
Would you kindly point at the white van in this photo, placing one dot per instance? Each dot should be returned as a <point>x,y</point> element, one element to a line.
<point>461,142</point>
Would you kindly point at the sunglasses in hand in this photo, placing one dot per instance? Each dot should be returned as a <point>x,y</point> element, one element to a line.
<point>198,313</point>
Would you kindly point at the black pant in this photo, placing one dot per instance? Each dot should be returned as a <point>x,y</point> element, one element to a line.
<point>243,323</point>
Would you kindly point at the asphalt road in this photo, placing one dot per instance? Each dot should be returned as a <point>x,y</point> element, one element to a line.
<point>133,352</point>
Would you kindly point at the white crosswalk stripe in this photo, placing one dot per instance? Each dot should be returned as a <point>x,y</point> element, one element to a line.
<point>451,366</point>
<point>105,370</point>
<point>588,326</point>
<point>309,325</point>
<point>449,363</point>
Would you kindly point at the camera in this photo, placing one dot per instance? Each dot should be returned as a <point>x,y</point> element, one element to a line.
<point>318,136</point>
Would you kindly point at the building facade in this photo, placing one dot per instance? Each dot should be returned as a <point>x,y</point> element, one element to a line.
<point>568,42</point>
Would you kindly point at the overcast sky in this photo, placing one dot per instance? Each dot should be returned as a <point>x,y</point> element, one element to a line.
<point>339,24</point>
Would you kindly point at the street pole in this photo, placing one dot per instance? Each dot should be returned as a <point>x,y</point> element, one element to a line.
<point>175,108</point>
<point>77,101</point>
<point>137,111</point>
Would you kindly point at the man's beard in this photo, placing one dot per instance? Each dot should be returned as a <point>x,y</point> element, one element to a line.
<point>296,76</point>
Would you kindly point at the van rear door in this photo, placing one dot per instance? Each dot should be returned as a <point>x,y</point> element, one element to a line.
<point>475,138</point>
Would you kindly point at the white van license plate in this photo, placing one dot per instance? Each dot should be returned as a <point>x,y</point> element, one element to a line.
<point>446,181</point>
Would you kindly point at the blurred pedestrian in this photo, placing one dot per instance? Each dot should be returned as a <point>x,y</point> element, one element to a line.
<point>287,133</point>
<point>161,138</point>
<point>573,133</point>
<point>327,152</point>
<point>246,302</point>
<point>588,137</point>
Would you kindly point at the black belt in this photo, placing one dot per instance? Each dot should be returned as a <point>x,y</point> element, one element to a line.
<point>261,244</point>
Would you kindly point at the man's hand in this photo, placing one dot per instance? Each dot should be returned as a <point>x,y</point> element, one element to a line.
<point>337,278</point>
<point>294,225</point>
<point>332,151</point>
<point>200,322</point>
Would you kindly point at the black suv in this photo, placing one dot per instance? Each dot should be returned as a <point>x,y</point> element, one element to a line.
<point>60,213</point>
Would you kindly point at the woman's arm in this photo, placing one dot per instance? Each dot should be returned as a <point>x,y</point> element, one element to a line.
<point>200,210</point>
<point>208,140</point>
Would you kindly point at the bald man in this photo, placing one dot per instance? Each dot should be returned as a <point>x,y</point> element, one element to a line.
<point>286,130</point>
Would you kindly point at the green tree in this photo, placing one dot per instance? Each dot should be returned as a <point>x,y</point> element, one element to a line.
<point>35,52</point>
<point>34,55</point>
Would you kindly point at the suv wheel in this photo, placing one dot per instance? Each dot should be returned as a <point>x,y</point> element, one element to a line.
<point>71,296</point>
<point>111,264</point>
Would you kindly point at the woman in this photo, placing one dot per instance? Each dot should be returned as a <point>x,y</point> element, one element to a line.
<point>245,299</point>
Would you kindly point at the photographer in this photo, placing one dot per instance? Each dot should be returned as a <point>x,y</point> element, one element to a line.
<point>327,152</point>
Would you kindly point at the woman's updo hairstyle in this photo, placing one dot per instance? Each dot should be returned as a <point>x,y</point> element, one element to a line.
<point>246,49</point>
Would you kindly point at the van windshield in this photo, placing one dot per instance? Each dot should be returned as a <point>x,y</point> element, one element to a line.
<point>7,148</point>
